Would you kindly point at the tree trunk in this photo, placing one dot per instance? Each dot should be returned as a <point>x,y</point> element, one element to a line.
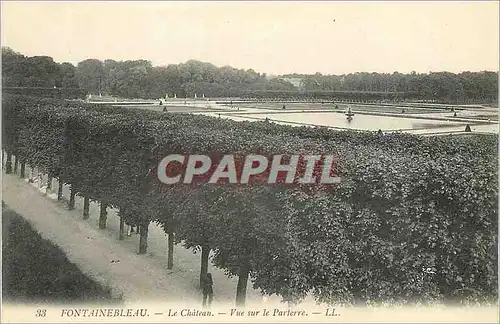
<point>15,163</point>
<point>143,239</point>
<point>3,157</point>
<point>103,216</point>
<point>8,163</point>
<point>60,190</point>
<point>170,259</point>
<point>122,228</point>
<point>205,252</point>
<point>23,170</point>
<point>72,193</point>
<point>49,181</point>
<point>86,207</point>
<point>241,289</point>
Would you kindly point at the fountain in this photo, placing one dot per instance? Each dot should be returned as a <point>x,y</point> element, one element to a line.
<point>349,114</point>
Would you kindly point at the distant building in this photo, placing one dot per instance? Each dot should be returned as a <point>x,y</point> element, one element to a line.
<point>295,81</point>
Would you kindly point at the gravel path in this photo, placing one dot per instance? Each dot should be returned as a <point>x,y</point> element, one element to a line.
<point>135,277</point>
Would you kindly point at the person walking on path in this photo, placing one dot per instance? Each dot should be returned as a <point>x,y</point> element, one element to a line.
<point>131,228</point>
<point>207,290</point>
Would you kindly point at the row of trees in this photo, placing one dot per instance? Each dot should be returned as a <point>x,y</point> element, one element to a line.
<point>413,219</point>
<point>442,86</point>
<point>139,79</point>
<point>133,79</point>
<point>37,71</point>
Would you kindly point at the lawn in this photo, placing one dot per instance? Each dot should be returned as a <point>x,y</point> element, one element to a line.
<point>35,270</point>
<point>179,109</point>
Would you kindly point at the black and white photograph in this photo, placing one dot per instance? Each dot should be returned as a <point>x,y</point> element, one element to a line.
<point>250,161</point>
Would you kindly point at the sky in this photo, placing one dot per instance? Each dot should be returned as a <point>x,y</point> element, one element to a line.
<point>269,37</point>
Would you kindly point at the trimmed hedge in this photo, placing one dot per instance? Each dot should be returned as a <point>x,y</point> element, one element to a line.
<point>58,93</point>
<point>413,220</point>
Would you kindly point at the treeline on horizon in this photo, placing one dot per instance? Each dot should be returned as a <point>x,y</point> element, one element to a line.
<point>140,79</point>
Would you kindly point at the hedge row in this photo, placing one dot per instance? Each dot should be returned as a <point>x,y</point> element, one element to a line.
<point>58,93</point>
<point>331,95</point>
<point>413,220</point>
